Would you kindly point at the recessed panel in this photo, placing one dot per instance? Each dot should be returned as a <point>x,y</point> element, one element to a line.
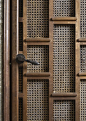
<point>83,58</point>
<point>39,53</point>
<point>20,109</point>
<point>83,100</point>
<point>37,100</point>
<point>20,8</point>
<point>21,79</point>
<point>64,8</point>
<point>83,18</point>
<point>20,36</point>
<point>37,18</point>
<point>64,110</point>
<point>64,58</point>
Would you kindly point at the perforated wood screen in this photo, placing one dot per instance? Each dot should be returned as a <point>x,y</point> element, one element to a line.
<point>20,36</point>
<point>20,79</point>
<point>63,58</point>
<point>37,18</point>
<point>64,110</point>
<point>20,109</point>
<point>64,8</point>
<point>83,58</point>
<point>20,8</point>
<point>37,100</point>
<point>83,100</point>
<point>83,18</point>
<point>39,53</point>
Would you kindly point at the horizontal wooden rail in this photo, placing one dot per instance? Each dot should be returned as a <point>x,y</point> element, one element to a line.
<point>45,74</point>
<point>64,94</point>
<point>63,98</point>
<point>21,95</point>
<point>63,18</point>
<point>82,74</point>
<point>82,40</point>
<point>20,52</point>
<point>21,19</point>
<point>37,40</point>
<point>65,22</point>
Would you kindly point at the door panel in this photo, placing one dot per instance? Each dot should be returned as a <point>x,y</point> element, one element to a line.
<point>82,58</point>
<point>20,36</point>
<point>82,18</point>
<point>51,32</point>
<point>20,8</point>
<point>64,8</point>
<point>37,18</point>
<point>37,100</point>
<point>82,71</point>
<point>20,109</point>
<point>82,99</point>
<point>63,58</point>
<point>21,79</point>
<point>40,53</point>
<point>64,110</point>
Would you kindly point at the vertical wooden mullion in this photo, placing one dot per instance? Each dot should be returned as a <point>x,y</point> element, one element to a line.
<point>77,60</point>
<point>51,60</point>
<point>77,83</point>
<point>51,81</point>
<point>24,87</point>
<point>25,64</point>
<point>14,69</point>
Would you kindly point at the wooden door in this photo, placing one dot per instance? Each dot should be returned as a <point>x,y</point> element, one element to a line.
<point>53,33</point>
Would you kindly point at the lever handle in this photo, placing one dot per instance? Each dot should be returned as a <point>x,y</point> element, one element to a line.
<point>20,58</point>
<point>33,62</point>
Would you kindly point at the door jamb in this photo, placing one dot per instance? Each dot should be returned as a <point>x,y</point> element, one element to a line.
<point>6,60</point>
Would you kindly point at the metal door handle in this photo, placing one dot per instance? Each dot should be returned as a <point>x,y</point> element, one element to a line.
<point>20,58</point>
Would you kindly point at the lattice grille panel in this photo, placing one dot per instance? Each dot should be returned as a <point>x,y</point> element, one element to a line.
<point>20,36</point>
<point>83,58</point>
<point>63,58</point>
<point>83,100</point>
<point>21,79</point>
<point>20,109</point>
<point>83,18</point>
<point>64,110</point>
<point>37,18</point>
<point>39,53</point>
<point>37,100</point>
<point>20,8</point>
<point>64,8</point>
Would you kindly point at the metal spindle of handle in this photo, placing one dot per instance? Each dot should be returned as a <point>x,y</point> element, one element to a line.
<point>20,58</point>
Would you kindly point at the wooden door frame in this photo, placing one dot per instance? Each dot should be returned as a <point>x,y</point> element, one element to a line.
<point>6,60</point>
